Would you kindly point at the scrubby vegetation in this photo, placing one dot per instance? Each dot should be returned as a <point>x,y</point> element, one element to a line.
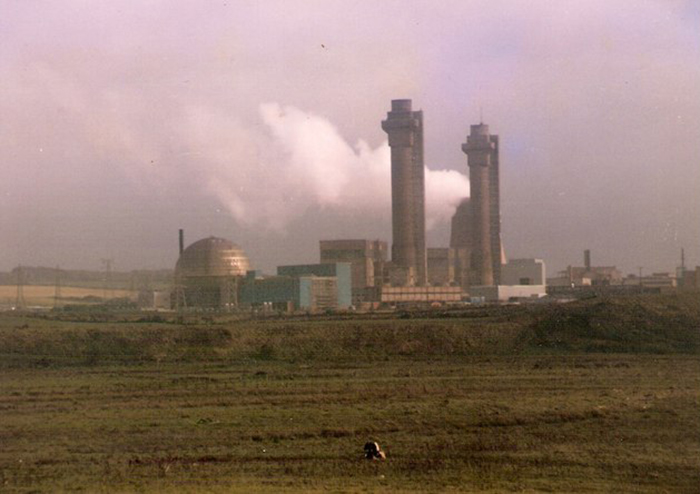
<point>651,324</point>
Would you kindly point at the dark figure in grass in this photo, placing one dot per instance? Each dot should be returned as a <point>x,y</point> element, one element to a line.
<point>373,451</point>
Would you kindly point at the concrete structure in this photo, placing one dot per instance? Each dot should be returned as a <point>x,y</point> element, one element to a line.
<point>367,259</point>
<point>523,272</point>
<point>442,263</point>
<point>587,275</point>
<point>484,227</point>
<point>503,293</point>
<point>408,252</point>
<point>418,294</point>
<point>208,272</point>
<point>339,270</point>
<point>279,293</point>
<point>655,280</point>
<point>297,288</point>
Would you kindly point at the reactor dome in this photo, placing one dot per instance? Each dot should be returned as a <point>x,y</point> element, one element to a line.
<point>211,257</point>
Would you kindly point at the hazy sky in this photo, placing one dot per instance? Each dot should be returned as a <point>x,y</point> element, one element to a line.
<point>122,121</point>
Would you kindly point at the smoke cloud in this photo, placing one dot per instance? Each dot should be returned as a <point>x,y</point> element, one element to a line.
<point>299,161</point>
<point>121,122</point>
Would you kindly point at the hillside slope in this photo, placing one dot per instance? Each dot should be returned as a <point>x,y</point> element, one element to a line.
<point>650,324</point>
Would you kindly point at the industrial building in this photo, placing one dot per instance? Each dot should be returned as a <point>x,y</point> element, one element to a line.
<point>341,271</point>
<point>411,295</point>
<point>215,273</point>
<point>587,275</point>
<point>368,263</point>
<point>208,272</point>
<point>660,281</point>
<point>310,287</point>
<point>530,272</point>
<point>507,293</point>
<point>409,263</point>
<point>475,257</point>
<point>521,279</point>
<point>476,224</point>
<point>447,266</point>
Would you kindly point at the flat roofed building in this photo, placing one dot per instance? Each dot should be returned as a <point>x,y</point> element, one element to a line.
<point>523,272</point>
<point>593,276</point>
<point>293,292</point>
<point>340,271</point>
<point>419,294</point>
<point>655,280</point>
<point>505,293</point>
<point>367,260</point>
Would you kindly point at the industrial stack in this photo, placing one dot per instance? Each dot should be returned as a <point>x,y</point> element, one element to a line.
<point>484,213</point>
<point>356,273</point>
<point>408,252</point>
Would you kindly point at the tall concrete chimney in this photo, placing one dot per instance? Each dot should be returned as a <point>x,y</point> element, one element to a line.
<point>405,129</point>
<point>182,240</point>
<point>587,259</point>
<point>480,149</point>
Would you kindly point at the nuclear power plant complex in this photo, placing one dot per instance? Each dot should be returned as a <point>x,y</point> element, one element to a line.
<point>367,274</point>
<point>357,273</point>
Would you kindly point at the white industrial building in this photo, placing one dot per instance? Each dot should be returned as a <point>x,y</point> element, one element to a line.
<point>520,279</point>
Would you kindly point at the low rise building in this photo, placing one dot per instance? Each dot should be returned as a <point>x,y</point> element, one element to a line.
<point>655,280</point>
<point>367,258</point>
<point>310,287</point>
<point>341,271</point>
<point>418,294</point>
<point>523,272</point>
<point>506,293</point>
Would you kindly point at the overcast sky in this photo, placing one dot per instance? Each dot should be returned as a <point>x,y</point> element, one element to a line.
<point>122,121</point>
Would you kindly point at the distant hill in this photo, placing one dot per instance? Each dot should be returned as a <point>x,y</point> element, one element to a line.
<point>129,280</point>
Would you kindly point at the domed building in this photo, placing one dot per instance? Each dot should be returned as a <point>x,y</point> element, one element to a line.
<point>208,272</point>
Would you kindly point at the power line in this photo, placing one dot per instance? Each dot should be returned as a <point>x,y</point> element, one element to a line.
<point>57,291</point>
<point>107,289</point>
<point>20,302</point>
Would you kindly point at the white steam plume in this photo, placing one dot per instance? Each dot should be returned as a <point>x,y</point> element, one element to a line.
<point>298,161</point>
<point>266,170</point>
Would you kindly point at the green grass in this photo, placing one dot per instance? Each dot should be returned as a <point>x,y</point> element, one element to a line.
<point>471,401</point>
<point>565,424</point>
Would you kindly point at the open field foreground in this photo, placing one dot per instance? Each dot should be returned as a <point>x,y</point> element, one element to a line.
<point>229,406</point>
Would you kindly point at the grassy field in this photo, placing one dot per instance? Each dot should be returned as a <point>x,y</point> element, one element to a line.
<point>43,296</point>
<point>569,399</point>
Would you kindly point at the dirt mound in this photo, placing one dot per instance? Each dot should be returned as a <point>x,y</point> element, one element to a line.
<point>644,324</point>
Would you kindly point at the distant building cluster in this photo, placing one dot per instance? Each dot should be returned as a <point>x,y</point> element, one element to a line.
<point>610,279</point>
<point>357,273</point>
<point>216,274</point>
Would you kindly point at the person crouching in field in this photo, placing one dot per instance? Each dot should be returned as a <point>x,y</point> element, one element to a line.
<point>373,451</point>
